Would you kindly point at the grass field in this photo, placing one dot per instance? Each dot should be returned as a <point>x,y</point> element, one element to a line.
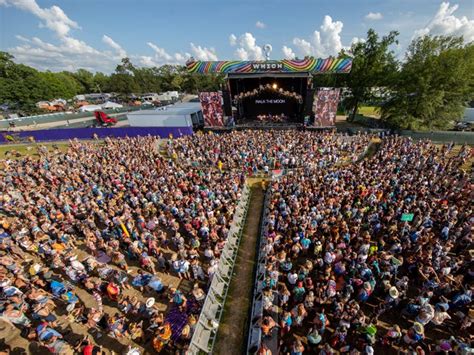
<point>371,111</point>
<point>28,149</point>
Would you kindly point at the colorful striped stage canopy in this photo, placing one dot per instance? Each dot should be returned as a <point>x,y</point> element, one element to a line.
<point>308,65</point>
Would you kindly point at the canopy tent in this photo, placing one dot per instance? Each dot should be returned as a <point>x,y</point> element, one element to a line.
<point>111,105</point>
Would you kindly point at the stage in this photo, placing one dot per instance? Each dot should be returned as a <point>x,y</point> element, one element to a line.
<point>268,97</point>
<point>257,126</point>
<point>276,94</point>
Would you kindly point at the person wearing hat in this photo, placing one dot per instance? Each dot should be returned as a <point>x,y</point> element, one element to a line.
<point>426,314</point>
<point>313,336</point>
<point>415,334</point>
<point>440,314</point>
<point>150,302</point>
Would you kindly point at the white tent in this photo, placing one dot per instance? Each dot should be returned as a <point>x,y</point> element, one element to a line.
<point>110,104</point>
<point>90,108</point>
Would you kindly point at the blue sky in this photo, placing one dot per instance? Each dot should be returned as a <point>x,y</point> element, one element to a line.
<point>95,34</point>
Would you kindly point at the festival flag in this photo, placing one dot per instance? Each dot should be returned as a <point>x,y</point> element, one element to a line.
<point>124,229</point>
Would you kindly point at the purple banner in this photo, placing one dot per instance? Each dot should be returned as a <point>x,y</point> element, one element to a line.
<point>59,134</point>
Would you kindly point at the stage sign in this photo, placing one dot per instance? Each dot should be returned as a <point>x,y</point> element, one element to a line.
<point>307,65</point>
<point>325,106</point>
<point>211,104</point>
<point>270,101</point>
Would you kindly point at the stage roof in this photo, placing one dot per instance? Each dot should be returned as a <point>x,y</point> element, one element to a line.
<point>268,75</point>
<point>307,65</point>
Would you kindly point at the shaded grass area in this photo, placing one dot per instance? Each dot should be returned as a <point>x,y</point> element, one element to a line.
<point>369,111</point>
<point>232,334</point>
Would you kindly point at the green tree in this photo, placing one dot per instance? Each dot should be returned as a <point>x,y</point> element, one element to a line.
<point>148,79</point>
<point>58,85</point>
<point>434,84</point>
<point>123,80</point>
<point>373,66</point>
<point>20,85</point>
<point>101,83</point>
<point>86,79</point>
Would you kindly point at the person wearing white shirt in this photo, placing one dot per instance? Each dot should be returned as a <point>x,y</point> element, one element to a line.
<point>292,278</point>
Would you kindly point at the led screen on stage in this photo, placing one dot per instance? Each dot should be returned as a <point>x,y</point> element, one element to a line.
<point>269,103</point>
<point>211,103</point>
<point>325,106</point>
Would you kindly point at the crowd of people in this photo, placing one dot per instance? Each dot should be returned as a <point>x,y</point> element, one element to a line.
<point>92,234</point>
<point>122,241</point>
<point>253,151</point>
<point>272,118</point>
<point>373,256</point>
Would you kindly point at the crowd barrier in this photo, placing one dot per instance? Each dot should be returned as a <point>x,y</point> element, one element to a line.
<point>59,134</point>
<point>205,333</point>
<point>442,136</point>
<point>59,116</point>
<point>255,332</point>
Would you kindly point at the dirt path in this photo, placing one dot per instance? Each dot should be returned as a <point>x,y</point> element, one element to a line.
<point>232,333</point>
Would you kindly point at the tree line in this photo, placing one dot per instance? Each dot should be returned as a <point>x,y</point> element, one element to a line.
<point>427,89</point>
<point>21,86</point>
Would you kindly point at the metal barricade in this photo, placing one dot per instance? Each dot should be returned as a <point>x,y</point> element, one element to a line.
<point>205,333</point>
<point>255,333</point>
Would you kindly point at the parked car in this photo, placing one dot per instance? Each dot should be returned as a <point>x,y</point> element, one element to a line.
<point>463,126</point>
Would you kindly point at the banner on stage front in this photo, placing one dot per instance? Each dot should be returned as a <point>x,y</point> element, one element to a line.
<point>211,104</point>
<point>325,106</point>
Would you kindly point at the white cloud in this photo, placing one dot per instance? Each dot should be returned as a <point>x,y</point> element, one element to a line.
<point>160,53</point>
<point>232,40</point>
<point>147,61</point>
<point>69,53</point>
<point>21,38</point>
<point>110,42</point>
<point>260,24</point>
<point>374,16</point>
<point>357,40</point>
<point>323,43</point>
<point>304,46</point>
<point>203,53</point>
<point>445,23</point>
<point>249,50</point>
<point>160,57</point>
<point>182,58</point>
<point>52,18</point>
<point>288,53</point>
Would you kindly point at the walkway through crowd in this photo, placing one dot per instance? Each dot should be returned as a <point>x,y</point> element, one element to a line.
<point>232,330</point>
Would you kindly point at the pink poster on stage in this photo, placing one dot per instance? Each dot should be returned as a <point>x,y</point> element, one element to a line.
<point>325,106</point>
<point>211,103</point>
